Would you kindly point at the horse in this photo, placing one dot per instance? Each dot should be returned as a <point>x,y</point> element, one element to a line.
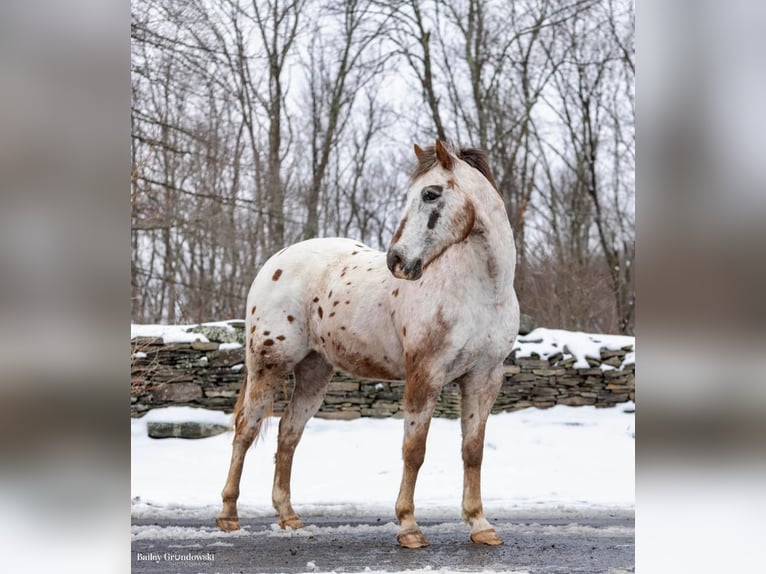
<point>439,306</point>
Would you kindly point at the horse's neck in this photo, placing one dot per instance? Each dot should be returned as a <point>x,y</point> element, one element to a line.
<point>486,260</point>
<point>494,244</point>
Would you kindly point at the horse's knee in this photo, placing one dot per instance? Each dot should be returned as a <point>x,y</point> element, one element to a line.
<point>473,451</point>
<point>414,452</point>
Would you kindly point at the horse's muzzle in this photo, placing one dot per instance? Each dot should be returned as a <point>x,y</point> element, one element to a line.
<point>401,269</point>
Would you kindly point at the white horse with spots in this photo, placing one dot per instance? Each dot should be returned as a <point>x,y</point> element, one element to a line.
<point>438,307</point>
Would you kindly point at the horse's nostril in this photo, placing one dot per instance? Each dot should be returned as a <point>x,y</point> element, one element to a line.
<point>393,260</point>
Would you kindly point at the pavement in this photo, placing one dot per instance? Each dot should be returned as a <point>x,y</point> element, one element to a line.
<point>597,543</point>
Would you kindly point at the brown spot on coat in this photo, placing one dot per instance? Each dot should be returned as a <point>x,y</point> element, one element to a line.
<point>252,329</point>
<point>433,218</point>
<point>268,342</point>
<point>280,337</point>
<point>404,331</point>
<point>374,370</point>
<point>399,230</point>
<point>354,252</point>
<point>252,311</point>
<point>329,295</point>
<point>467,220</point>
<point>335,303</point>
<point>290,318</point>
<point>320,312</point>
<point>276,275</point>
<point>315,299</point>
<point>395,292</point>
<point>266,333</point>
<point>332,314</point>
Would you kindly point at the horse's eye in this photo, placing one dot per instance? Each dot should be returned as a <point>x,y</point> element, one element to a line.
<point>431,193</point>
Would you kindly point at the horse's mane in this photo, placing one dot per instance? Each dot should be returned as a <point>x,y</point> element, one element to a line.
<point>474,157</point>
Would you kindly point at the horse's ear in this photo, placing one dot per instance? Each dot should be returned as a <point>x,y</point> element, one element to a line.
<point>419,152</point>
<point>444,156</point>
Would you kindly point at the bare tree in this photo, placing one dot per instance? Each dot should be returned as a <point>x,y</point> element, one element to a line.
<point>258,122</point>
<point>335,82</point>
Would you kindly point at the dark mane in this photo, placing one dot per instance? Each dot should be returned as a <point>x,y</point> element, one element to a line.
<point>474,157</point>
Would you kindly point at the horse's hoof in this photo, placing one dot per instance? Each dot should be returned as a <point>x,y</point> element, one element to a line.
<point>412,539</point>
<point>488,537</point>
<point>227,524</point>
<point>294,523</point>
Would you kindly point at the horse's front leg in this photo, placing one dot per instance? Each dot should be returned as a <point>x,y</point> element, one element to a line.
<point>479,391</point>
<point>419,402</point>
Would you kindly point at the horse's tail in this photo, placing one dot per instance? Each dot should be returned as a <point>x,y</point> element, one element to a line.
<point>237,419</point>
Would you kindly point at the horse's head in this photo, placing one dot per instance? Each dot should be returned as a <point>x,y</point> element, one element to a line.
<point>439,211</point>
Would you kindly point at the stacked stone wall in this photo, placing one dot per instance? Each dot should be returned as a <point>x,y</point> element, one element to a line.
<point>209,375</point>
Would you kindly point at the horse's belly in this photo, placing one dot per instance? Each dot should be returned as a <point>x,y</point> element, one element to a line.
<point>351,325</point>
<point>362,357</point>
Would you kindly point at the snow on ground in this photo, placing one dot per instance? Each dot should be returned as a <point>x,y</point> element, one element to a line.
<point>562,460</point>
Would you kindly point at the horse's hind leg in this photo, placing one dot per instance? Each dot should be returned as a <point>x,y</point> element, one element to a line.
<point>312,375</point>
<point>253,405</point>
<point>478,393</point>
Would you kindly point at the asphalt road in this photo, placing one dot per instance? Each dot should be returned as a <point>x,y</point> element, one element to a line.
<point>603,544</point>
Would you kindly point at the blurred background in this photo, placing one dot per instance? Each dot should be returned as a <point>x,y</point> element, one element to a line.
<point>209,129</point>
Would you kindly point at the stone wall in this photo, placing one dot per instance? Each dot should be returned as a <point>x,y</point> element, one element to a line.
<point>209,374</point>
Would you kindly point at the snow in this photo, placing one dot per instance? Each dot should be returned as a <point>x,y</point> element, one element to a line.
<point>547,342</point>
<point>388,529</point>
<point>179,333</point>
<point>168,333</point>
<point>229,346</point>
<point>180,415</point>
<point>562,460</point>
